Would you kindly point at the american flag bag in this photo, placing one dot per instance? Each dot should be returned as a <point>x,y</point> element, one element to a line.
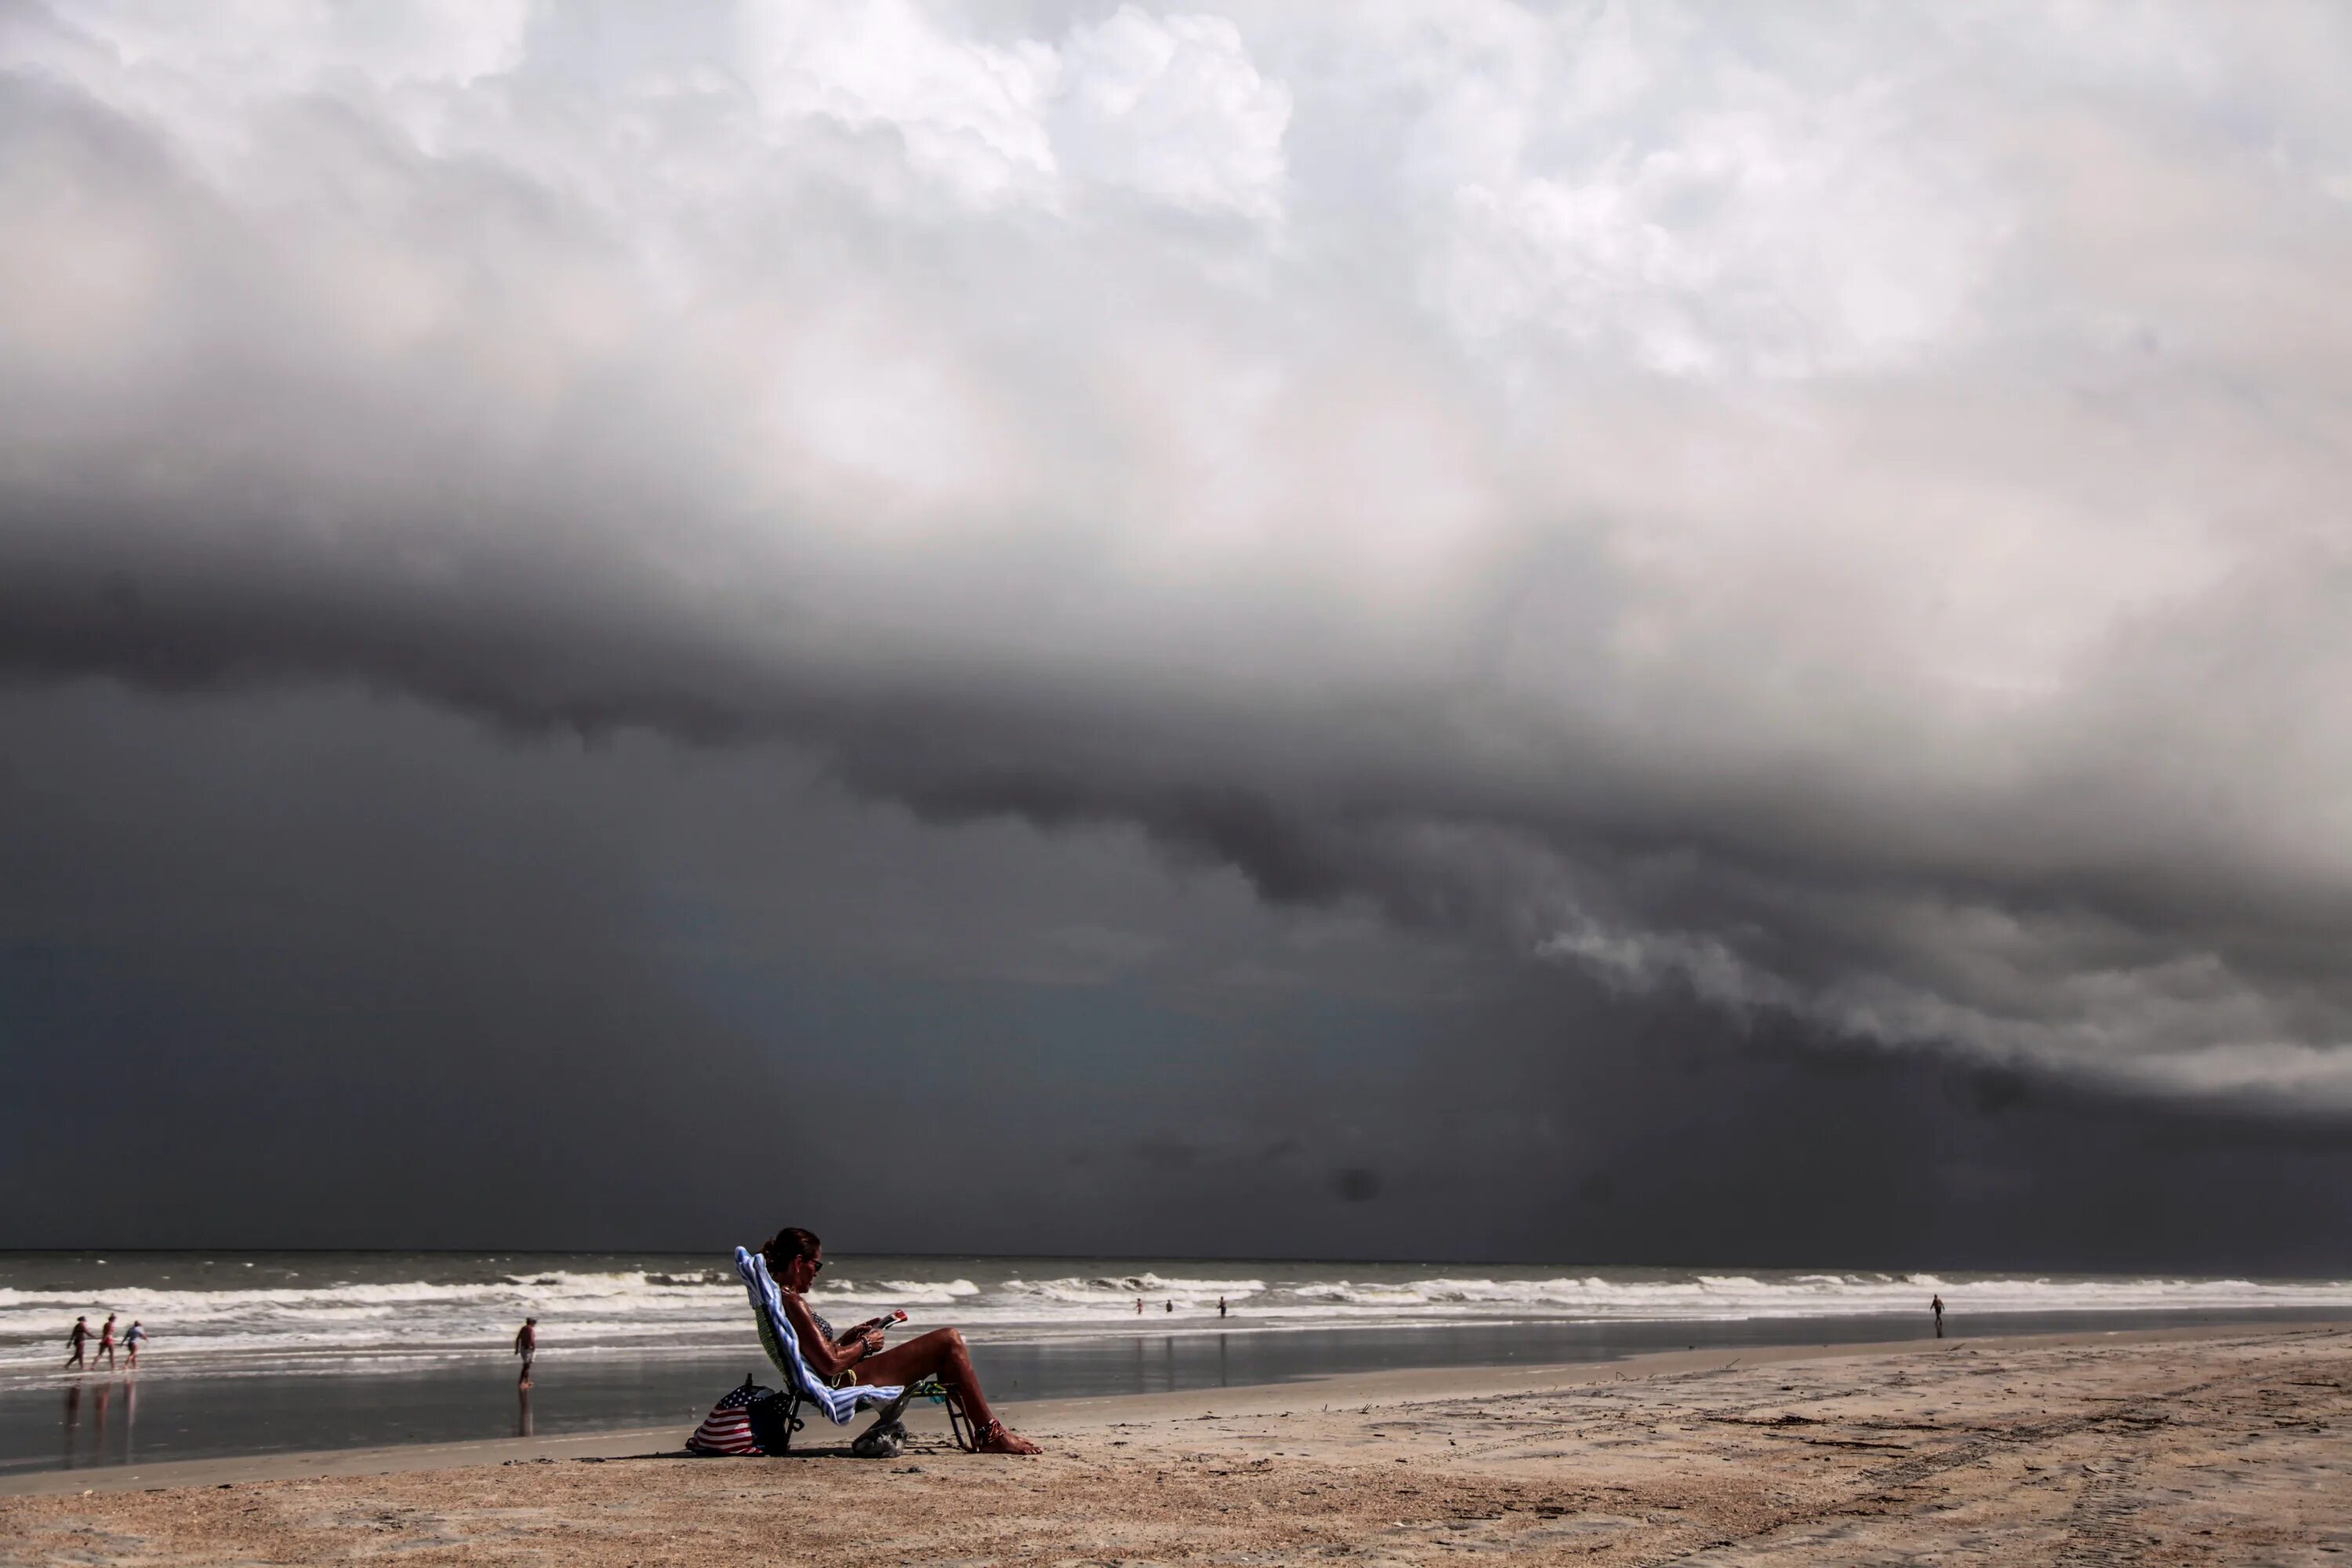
<point>727,1428</point>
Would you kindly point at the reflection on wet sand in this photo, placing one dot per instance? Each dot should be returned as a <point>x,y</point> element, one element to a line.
<point>101,1398</point>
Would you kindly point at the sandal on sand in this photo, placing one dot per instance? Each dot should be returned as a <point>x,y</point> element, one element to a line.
<point>994,1438</point>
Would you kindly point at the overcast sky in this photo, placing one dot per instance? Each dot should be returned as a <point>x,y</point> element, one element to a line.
<point>1681,633</point>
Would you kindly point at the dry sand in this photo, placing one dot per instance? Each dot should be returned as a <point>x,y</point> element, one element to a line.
<point>2213,1447</point>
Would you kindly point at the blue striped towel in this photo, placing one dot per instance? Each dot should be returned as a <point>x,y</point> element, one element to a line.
<point>784,1348</point>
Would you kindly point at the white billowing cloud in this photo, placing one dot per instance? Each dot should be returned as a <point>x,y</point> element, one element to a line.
<point>295,44</point>
<point>1777,238</point>
<point>969,112</point>
<point>1635,180</point>
<point>1171,108</point>
<point>1174,108</point>
<point>1844,507</point>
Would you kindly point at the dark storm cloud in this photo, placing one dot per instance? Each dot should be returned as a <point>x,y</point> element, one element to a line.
<point>326,969</point>
<point>1852,539</point>
<point>1357,1184</point>
<point>280,975</point>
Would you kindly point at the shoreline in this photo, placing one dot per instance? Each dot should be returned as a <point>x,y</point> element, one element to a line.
<point>2168,1446</point>
<point>1402,1387</point>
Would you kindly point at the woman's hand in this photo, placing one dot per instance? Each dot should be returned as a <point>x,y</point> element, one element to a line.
<point>870,1338</point>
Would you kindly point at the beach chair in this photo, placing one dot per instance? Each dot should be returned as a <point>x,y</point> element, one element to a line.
<point>840,1406</point>
<point>961,1426</point>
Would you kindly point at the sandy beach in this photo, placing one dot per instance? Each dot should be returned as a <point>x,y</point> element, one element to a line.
<point>2186,1446</point>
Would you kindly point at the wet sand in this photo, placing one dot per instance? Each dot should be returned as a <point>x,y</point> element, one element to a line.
<point>2188,1445</point>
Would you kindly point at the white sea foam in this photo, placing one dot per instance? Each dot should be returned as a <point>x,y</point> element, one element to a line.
<point>1714,1296</point>
<point>1120,1291</point>
<point>387,1310</point>
<point>895,1292</point>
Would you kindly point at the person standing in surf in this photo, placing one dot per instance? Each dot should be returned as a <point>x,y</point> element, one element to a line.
<point>526,1344</point>
<point>1936,1305</point>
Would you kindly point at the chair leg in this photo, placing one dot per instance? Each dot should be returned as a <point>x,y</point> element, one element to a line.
<point>959,1424</point>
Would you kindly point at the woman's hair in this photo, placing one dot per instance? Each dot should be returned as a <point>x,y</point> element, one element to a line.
<point>788,1244</point>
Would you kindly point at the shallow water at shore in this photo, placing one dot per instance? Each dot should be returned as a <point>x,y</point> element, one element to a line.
<point>76,1420</point>
<point>260,1353</point>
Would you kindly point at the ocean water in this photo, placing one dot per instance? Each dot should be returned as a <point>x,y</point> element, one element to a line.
<point>254,1351</point>
<point>293,1313</point>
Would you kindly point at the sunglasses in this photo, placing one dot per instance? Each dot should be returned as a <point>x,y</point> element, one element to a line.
<point>816,1265</point>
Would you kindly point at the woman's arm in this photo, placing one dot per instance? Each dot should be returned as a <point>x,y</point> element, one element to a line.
<point>827,1359</point>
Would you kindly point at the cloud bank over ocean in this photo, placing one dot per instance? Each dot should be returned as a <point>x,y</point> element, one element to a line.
<point>1840,519</point>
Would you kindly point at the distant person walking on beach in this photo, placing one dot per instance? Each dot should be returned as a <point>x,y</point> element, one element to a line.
<point>1138,1306</point>
<point>79,1338</point>
<point>1220,1306</point>
<point>526,1343</point>
<point>1936,1305</point>
<point>131,1338</point>
<point>1170,1305</point>
<point>105,1344</point>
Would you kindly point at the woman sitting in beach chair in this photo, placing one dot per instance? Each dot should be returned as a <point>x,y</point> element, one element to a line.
<point>793,1257</point>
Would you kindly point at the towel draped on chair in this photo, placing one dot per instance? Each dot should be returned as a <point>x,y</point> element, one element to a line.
<point>783,1347</point>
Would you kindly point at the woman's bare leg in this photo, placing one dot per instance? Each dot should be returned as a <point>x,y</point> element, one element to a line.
<point>939,1354</point>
